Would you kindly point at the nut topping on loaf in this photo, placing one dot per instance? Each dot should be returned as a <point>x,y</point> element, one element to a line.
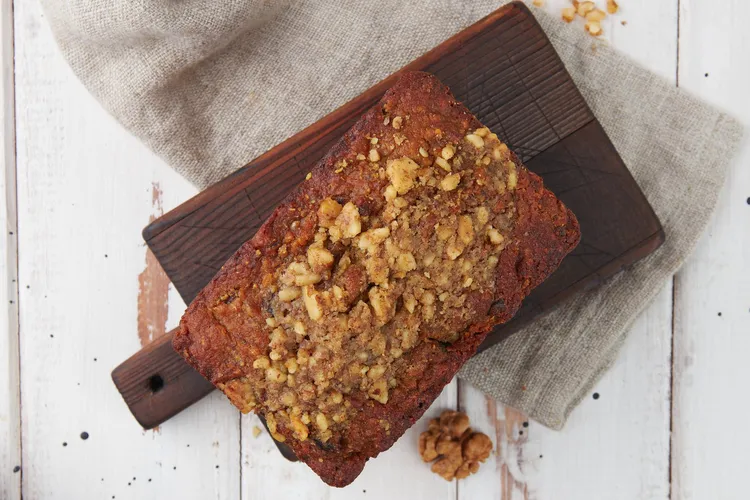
<point>368,288</point>
<point>363,294</point>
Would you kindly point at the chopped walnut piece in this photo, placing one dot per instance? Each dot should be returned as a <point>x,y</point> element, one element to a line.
<point>584,8</point>
<point>483,215</point>
<point>379,391</point>
<point>465,229</point>
<point>402,173</point>
<point>568,14</point>
<point>289,294</point>
<point>455,449</point>
<point>349,221</point>
<point>495,237</point>
<point>298,273</point>
<point>595,15</point>
<point>310,297</point>
<point>328,211</point>
<point>443,163</point>
<point>593,28</point>
<point>448,152</point>
<point>371,239</point>
<point>397,122</point>
<point>319,258</point>
<point>383,305</point>
<point>475,140</point>
<point>512,179</point>
<point>450,182</point>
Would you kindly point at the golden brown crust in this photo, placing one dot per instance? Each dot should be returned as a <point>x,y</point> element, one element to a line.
<point>225,327</point>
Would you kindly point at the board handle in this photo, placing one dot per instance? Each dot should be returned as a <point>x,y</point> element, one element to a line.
<point>157,384</point>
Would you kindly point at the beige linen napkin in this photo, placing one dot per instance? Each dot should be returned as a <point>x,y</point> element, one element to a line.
<point>210,85</point>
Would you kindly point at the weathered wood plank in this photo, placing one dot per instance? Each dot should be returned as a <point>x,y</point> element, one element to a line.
<point>614,447</point>
<point>712,305</point>
<point>10,404</point>
<point>85,191</point>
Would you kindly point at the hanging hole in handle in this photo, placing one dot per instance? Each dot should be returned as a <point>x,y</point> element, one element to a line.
<point>155,383</point>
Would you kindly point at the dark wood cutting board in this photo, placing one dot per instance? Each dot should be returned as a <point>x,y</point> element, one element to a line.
<point>507,73</point>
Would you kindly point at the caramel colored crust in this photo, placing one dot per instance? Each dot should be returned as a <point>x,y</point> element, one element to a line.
<point>222,347</point>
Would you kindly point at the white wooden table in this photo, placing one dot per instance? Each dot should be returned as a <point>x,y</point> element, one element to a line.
<point>81,295</point>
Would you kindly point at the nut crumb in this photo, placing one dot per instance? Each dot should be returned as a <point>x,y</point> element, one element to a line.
<point>593,28</point>
<point>450,182</point>
<point>568,14</point>
<point>256,431</point>
<point>612,7</point>
<point>585,7</point>
<point>596,15</point>
<point>308,176</point>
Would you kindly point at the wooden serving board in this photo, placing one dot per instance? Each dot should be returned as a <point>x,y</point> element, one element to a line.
<point>508,74</point>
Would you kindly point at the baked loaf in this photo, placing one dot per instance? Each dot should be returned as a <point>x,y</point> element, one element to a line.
<point>342,319</point>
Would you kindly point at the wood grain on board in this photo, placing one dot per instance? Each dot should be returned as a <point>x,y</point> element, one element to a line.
<point>508,74</point>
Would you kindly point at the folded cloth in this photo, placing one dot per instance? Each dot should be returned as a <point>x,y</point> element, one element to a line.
<point>211,85</point>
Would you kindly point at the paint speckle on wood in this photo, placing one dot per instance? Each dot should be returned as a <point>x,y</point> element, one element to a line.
<point>153,286</point>
<point>508,448</point>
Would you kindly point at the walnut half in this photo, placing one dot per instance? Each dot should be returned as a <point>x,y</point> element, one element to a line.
<point>454,447</point>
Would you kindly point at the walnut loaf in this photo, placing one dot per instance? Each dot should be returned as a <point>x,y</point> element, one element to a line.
<point>342,319</point>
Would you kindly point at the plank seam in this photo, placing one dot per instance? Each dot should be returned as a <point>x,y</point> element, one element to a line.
<point>671,391</point>
<point>239,423</point>
<point>11,207</point>
<point>674,315</point>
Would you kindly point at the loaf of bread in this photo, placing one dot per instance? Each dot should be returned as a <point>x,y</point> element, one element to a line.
<point>342,319</point>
